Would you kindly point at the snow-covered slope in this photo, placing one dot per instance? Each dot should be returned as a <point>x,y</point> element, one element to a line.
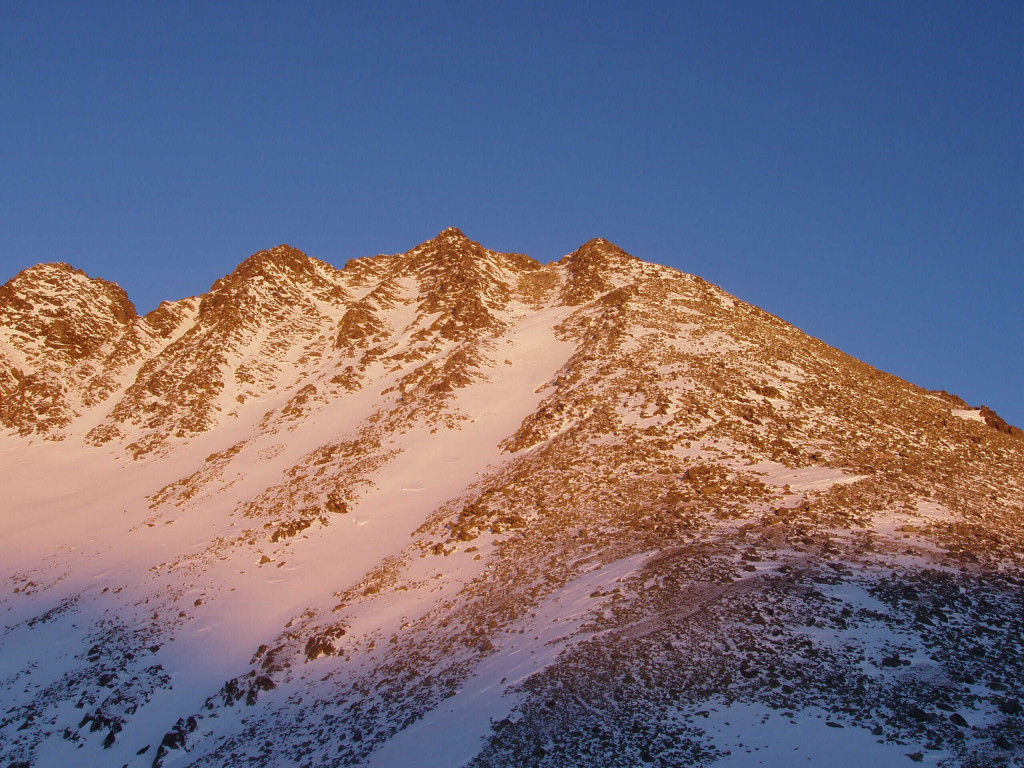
<point>455,507</point>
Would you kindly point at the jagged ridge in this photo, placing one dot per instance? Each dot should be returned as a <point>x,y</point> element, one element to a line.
<point>634,504</point>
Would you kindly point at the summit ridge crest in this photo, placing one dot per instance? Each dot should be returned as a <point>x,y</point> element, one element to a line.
<point>582,509</point>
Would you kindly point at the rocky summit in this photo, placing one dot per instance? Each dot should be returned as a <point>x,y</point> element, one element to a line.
<point>455,507</point>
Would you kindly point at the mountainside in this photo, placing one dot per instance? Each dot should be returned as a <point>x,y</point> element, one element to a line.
<point>454,507</point>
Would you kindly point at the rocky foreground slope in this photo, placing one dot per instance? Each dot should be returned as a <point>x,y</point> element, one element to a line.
<point>454,507</point>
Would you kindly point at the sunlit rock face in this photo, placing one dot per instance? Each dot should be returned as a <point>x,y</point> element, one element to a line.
<point>455,507</point>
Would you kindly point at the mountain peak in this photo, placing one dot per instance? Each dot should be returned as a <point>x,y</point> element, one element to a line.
<point>454,253</point>
<point>368,495</point>
<point>46,269</point>
<point>54,317</point>
<point>451,233</point>
<point>282,258</point>
<point>278,267</point>
<point>592,268</point>
<point>273,273</point>
<point>58,290</point>
<point>599,251</point>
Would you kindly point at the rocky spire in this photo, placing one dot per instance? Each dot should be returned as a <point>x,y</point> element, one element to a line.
<point>592,269</point>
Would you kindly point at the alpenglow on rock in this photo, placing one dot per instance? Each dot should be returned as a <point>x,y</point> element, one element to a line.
<point>455,507</point>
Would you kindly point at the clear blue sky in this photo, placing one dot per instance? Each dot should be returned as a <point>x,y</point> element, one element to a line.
<point>856,168</point>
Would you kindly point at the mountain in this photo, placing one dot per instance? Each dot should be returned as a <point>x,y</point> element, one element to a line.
<point>456,507</point>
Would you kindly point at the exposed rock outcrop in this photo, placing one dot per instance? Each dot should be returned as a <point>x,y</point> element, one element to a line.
<point>596,512</point>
